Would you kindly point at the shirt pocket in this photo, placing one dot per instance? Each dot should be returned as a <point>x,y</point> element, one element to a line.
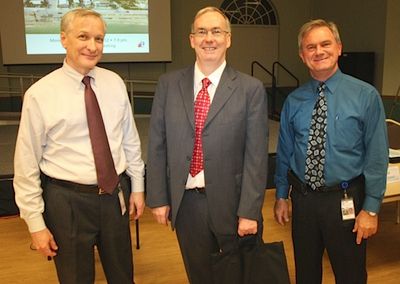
<point>347,132</point>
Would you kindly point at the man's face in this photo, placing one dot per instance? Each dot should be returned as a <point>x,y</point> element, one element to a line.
<point>83,42</point>
<point>320,52</point>
<point>210,48</point>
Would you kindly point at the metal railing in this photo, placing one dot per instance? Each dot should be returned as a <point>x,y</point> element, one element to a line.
<point>277,63</point>
<point>256,63</point>
<point>273,113</point>
<point>15,85</point>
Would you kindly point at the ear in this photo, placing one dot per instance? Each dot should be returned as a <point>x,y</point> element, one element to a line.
<point>340,46</point>
<point>301,56</point>
<point>191,39</point>
<point>63,38</point>
<point>228,40</point>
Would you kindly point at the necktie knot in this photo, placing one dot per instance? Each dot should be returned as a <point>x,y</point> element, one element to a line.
<point>206,82</point>
<point>86,81</point>
<point>321,88</point>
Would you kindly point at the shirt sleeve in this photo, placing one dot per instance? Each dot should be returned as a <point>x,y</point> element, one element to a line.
<point>376,153</point>
<point>132,149</point>
<point>284,153</point>
<point>28,152</point>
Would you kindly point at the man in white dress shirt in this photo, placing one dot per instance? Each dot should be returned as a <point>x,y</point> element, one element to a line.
<point>55,176</point>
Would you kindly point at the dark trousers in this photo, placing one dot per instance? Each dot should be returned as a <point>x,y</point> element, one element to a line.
<point>79,221</point>
<point>317,225</point>
<point>198,239</point>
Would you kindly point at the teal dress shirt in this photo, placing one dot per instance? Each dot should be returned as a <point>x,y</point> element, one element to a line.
<point>356,136</point>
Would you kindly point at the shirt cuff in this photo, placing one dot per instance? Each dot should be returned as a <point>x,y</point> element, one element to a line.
<point>137,185</point>
<point>372,204</point>
<point>281,193</point>
<point>36,224</point>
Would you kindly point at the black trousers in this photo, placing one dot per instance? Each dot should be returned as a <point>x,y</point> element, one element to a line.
<point>199,239</point>
<point>317,225</point>
<point>79,221</point>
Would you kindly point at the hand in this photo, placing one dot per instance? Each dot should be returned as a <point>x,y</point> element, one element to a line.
<point>136,204</point>
<point>161,214</point>
<point>247,227</point>
<point>44,243</point>
<point>281,211</point>
<point>365,226</point>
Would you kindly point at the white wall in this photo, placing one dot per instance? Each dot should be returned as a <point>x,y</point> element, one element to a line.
<point>391,67</point>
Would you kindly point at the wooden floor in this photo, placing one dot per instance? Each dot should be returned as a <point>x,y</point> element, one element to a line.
<point>158,260</point>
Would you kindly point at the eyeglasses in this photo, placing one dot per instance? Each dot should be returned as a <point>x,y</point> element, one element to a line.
<point>215,32</point>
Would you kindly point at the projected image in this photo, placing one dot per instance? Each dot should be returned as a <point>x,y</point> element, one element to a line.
<point>127,24</point>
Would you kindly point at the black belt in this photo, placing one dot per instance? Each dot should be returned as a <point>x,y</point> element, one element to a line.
<point>86,188</point>
<point>198,189</point>
<point>303,188</point>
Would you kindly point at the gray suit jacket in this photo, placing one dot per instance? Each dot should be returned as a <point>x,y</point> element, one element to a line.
<point>234,146</point>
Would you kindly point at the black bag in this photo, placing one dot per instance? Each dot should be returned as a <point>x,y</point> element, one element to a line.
<point>253,262</point>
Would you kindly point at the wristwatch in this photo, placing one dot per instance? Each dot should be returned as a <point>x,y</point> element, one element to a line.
<point>372,214</point>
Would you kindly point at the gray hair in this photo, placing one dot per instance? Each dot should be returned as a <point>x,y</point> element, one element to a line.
<point>70,16</point>
<point>317,24</point>
<point>211,9</point>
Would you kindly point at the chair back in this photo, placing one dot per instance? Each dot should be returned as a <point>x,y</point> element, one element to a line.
<point>393,128</point>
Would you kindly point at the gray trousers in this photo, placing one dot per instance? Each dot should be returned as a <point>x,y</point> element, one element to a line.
<point>80,221</point>
<point>198,238</point>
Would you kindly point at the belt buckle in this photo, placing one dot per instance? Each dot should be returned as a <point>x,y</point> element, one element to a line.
<point>101,191</point>
<point>199,189</point>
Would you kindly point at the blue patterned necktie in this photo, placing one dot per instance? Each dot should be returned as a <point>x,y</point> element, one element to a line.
<point>315,157</point>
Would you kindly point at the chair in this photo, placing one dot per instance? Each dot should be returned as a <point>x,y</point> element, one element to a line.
<point>393,129</point>
<point>271,171</point>
<point>396,103</point>
<point>7,202</point>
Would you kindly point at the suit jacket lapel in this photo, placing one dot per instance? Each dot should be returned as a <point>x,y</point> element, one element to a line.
<point>225,89</point>
<point>186,90</point>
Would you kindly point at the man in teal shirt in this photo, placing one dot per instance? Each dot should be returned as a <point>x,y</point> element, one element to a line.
<point>340,213</point>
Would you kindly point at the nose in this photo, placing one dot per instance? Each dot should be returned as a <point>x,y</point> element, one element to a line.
<point>91,45</point>
<point>318,49</point>
<point>209,36</point>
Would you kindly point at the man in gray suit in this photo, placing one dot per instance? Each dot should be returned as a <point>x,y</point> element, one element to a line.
<point>208,177</point>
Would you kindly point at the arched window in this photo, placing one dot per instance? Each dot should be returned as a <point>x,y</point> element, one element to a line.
<point>251,12</point>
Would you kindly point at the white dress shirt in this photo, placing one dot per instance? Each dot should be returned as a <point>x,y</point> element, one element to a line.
<point>199,179</point>
<point>54,138</point>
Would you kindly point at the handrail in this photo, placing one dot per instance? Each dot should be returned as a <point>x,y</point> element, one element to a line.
<point>286,69</point>
<point>21,82</point>
<point>263,68</point>
<point>273,100</point>
<point>130,86</point>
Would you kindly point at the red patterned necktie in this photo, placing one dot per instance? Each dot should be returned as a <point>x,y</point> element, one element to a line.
<point>107,178</point>
<point>201,107</point>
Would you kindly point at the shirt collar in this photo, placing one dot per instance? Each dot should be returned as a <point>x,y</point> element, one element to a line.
<point>331,83</point>
<point>214,77</point>
<point>75,75</point>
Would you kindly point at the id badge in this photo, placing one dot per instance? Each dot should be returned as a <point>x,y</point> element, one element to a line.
<point>348,212</point>
<point>121,200</point>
